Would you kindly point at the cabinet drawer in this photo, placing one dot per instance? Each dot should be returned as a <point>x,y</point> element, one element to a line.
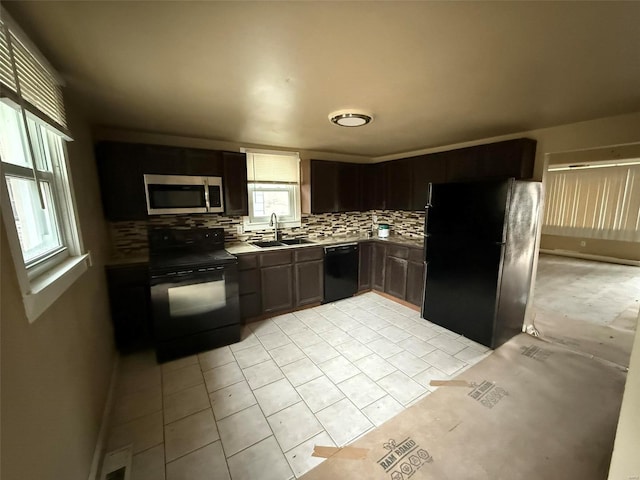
<point>247,262</point>
<point>397,251</point>
<point>416,255</point>
<point>307,254</point>
<point>275,258</point>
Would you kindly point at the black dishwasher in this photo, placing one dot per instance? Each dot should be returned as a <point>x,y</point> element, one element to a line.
<point>340,271</point>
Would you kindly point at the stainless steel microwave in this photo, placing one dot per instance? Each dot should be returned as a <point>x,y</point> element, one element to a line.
<point>175,194</point>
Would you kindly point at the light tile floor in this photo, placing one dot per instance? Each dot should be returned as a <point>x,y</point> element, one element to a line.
<point>254,410</point>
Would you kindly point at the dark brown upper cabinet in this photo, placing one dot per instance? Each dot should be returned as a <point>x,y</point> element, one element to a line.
<point>348,187</point>
<point>511,158</point>
<point>205,163</point>
<point>399,185</point>
<point>234,183</point>
<point>120,168</point>
<point>164,160</point>
<point>323,186</point>
<point>335,187</point>
<point>426,169</point>
<point>463,164</point>
<point>373,186</point>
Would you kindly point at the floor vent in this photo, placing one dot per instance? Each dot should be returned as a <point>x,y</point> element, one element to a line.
<point>117,464</point>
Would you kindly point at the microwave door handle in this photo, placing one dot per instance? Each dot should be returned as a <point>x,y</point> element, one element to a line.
<point>207,203</point>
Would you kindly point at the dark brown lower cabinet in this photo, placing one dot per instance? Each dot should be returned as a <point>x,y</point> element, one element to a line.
<point>377,266</point>
<point>395,277</point>
<point>364,268</point>
<point>308,281</point>
<point>277,288</point>
<point>130,303</point>
<point>415,283</point>
<point>249,286</point>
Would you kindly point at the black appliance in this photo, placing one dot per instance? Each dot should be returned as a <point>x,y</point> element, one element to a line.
<point>479,252</point>
<point>340,271</point>
<point>194,291</point>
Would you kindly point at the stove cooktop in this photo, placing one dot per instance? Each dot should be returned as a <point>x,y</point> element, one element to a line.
<point>191,260</point>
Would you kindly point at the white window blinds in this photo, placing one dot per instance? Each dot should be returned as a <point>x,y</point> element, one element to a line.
<point>273,168</point>
<point>39,86</point>
<point>594,203</point>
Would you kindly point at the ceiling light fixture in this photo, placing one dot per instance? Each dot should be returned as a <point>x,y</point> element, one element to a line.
<point>350,118</point>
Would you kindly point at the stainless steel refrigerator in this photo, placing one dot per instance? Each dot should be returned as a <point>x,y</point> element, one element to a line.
<point>479,252</point>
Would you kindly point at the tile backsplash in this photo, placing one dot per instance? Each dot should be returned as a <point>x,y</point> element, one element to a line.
<point>131,236</point>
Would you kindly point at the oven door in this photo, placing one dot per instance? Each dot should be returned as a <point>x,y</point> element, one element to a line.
<point>194,301</point>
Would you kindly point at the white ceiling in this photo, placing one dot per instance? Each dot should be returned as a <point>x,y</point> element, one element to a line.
<point>269,73</point>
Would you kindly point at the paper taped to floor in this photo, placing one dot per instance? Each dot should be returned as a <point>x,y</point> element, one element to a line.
<point>519,418</point>
<point>346,452</point>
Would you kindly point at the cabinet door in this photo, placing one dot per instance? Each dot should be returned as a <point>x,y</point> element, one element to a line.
<point>323,186</point>
<point>121,180</point>
<point>378,266</point>
<point>426,169</point>
<point>415,283</point>
<point>395,277</point>
<point>309,282</point>
<point>234,183</point>
<point>373,186</point>
<point>277,288</point>
<point>511,158</point>
<point>364,269</point>
<point>204,163</point>
<point>162,159</point>
<point>348,187</point>
<point>399,183</point>
<point>463,164</point>
<point>129,298</point>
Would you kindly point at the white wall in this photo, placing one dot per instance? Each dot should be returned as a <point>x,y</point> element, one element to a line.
<point>625,462</point>
<point>55,372</point>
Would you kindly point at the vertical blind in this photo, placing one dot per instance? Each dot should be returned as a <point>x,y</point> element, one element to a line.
<point>599,202</point>
<point>39,86</point>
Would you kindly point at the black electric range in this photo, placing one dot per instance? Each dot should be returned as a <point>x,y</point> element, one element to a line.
<point>194,291</point>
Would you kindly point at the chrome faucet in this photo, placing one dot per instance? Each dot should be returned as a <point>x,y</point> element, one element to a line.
<point>273,222</point>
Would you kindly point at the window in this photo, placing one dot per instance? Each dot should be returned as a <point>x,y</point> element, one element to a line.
<point>598,201</point>
<point>37,200</point>
<point>273,187</point>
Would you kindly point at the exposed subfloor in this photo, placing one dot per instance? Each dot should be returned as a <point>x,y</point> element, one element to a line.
<point>588,306</point>
<point>255,410</point>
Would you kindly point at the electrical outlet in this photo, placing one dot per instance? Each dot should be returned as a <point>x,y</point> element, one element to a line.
<point>239,229</point>
<point>583,243</point>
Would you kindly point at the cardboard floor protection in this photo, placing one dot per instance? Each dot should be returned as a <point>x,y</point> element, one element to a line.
<point>532,410</point>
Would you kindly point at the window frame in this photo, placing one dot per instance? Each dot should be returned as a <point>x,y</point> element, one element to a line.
<point>44,279</point>
<point>254,223</point>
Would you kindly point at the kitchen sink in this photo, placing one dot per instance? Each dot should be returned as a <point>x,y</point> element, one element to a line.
<point>282,243</point>
<point>296,241</point>
<point>267,244</point>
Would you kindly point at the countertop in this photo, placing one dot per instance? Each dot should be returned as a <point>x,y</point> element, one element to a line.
<point>239,248</point>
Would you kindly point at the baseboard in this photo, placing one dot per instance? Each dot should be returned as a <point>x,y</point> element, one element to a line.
<point>104,423</point>
<point>589,256</point>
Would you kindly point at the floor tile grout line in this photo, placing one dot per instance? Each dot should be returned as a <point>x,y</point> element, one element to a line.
<point>215,419</point>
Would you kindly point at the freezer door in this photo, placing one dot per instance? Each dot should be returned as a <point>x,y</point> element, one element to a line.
<point>474,209</point>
